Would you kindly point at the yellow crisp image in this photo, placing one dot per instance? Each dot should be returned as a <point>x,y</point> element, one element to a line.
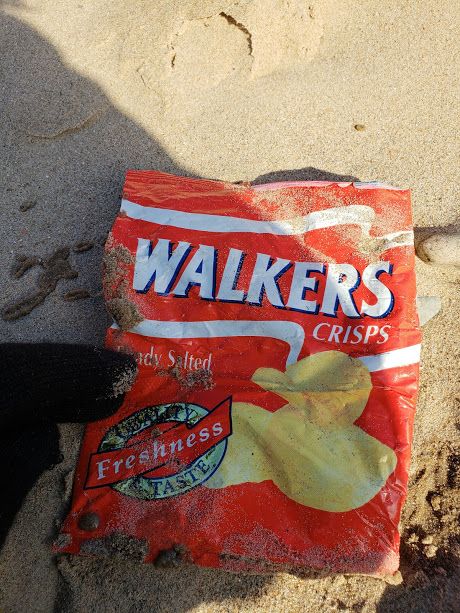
<point>310,448</point>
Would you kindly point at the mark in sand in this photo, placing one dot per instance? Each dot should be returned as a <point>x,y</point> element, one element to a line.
<point>55,268</point>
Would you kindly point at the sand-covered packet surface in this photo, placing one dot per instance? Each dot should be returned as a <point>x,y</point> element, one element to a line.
<point>277,339</point>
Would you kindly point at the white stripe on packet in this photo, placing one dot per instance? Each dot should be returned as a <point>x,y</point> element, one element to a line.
<point>287,331</point>
<point>356,214</point>
<point>392,359</point>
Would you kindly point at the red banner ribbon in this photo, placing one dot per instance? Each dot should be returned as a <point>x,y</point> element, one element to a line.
<point>166,454</point>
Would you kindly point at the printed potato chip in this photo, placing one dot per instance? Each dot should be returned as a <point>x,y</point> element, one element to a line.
<point>296,446</point>
<point>277,339</point>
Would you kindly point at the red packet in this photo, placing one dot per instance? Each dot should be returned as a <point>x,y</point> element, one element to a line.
<point>277,339</point>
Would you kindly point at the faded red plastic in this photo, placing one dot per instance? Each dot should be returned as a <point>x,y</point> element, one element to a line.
<point>249,526</point>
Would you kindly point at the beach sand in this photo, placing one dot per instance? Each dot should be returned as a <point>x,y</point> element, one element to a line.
<point>245,90</point>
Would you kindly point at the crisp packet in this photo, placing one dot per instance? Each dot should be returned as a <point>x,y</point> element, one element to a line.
<point>277,339</point>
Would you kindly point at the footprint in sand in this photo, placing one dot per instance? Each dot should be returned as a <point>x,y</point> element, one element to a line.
<point>254,36</point>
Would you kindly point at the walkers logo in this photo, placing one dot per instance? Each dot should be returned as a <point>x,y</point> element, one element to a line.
<point>162,451</point>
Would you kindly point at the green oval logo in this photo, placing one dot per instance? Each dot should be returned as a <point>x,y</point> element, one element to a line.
<point>149,487</point>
